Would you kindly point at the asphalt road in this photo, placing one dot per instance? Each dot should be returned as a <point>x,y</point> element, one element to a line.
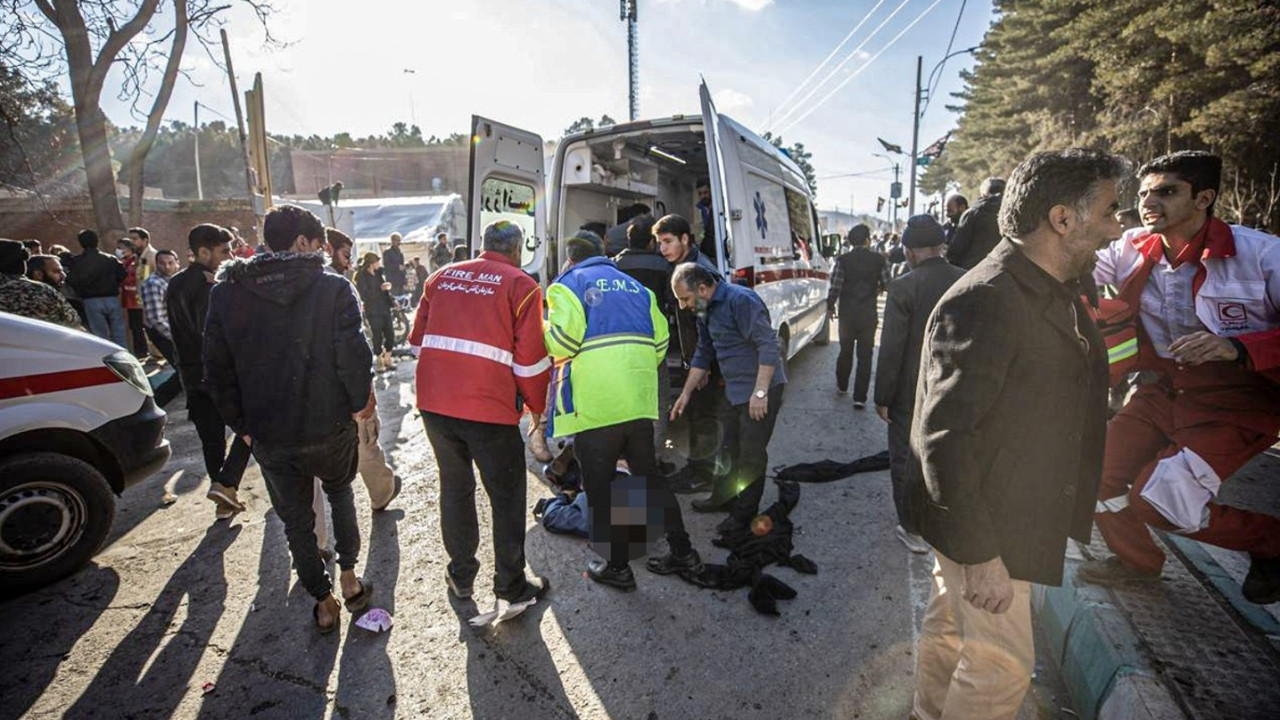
<point>175,602</point>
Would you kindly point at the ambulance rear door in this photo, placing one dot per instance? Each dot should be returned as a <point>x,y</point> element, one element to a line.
<point>508,183</point>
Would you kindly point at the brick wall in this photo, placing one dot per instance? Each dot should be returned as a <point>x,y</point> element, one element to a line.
<point>168,221</point>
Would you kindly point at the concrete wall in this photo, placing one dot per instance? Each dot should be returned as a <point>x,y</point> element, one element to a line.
<point>168,221</point>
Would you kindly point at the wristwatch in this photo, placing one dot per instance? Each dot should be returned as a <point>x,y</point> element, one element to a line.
<point>760,394</point>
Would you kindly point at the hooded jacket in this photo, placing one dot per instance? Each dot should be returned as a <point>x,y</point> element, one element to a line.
<point>285,355</point>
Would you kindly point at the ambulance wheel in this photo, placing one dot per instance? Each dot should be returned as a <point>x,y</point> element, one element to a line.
<point>55,513</point>
<point>824,333</point>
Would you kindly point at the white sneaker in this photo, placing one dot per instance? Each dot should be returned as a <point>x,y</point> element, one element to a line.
<point>914,542</point>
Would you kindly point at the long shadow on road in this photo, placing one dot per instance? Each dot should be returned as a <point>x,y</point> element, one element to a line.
<point>138,680</point>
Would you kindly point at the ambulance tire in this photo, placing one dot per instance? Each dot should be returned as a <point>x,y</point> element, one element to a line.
<point>824,333</point>
<point>55,513</point>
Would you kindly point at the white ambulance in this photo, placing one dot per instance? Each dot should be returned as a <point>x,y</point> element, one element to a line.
<point>78,425</point>
<point>764,221</point>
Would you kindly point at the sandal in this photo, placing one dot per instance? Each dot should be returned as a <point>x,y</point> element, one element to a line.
<point>359,602</point>
<point>324,629</point>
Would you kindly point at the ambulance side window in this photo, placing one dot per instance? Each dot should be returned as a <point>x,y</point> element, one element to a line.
<point>800,215</point>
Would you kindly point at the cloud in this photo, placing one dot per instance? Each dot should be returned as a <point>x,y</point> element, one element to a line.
<point>752,5</point>
<point>730,101</point>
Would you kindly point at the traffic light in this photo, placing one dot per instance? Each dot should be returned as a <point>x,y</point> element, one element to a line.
<point>879,204</point>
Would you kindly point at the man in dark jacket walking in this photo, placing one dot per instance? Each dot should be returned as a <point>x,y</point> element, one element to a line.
<point>96,277</point>
<point>978,231</point>
<point>906,310</point>
<point>287,363</point>
<point>187,303</point>
<point>856,282</point>
<point>1010,424</point>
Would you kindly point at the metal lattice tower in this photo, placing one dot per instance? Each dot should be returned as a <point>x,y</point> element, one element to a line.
<point>627,12</point>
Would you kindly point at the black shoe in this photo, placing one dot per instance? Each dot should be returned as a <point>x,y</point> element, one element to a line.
<point>533,590</point>
<point>1113,571</point>
<point>1262,584</point>
<point>859,405</point>
<point>711,505</point>
<point>671,563</point>
<point>622,579</point>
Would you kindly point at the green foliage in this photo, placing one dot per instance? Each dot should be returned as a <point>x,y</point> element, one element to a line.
<point>39,149</point>
<point>802,157</point>
<point>1137,77</point>
<point>584,124</point>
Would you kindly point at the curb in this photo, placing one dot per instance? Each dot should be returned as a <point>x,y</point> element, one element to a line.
<point>1106,670</point>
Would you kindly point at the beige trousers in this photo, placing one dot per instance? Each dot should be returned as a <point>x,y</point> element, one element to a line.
<point>971,664</point>
<point>373,469</point>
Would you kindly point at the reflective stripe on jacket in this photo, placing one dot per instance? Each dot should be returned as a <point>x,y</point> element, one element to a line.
<point>607,336</point>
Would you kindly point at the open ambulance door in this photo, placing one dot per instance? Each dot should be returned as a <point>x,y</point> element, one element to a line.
<point>715,174</point>
<point>507,183</point>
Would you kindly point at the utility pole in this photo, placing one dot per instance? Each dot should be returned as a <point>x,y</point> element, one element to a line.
<point>196,127</point>
<point>915,138</point>
<point>244,146</point>
<point>895,192</point>
<point>627,13</point>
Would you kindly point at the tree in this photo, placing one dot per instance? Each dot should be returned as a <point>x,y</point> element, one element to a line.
<point>584,124</point>
<point>37,133</point>
<point>83,39</point>
<point>801,157</point>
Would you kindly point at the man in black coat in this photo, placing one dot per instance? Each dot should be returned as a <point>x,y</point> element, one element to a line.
<point>856,282</point>
<point>1009,431</point>
<point>978,231</point>
<point>288,365</point>
<point>906,310</point>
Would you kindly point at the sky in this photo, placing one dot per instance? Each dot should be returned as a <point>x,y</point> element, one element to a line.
<point>541,64</point>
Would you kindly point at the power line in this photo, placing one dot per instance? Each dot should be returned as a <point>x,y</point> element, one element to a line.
<point>858,72</point>
<point>855,174</point>
<point>929,97</point>
<point>839,67</point>
<point>832,54</point>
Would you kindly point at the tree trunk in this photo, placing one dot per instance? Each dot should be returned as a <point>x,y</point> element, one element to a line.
<point>92,127</point>
<point>138,159</point>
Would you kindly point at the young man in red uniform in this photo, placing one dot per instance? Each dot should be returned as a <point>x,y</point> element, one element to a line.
<point>481,361</point>
<point>1210,332</point>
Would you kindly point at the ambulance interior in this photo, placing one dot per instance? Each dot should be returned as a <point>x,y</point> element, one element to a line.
<point>604,176</point>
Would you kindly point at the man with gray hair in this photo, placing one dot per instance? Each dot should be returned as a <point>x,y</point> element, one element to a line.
<point>1010,422</point>
<point>978,231</point>
<point>481,361</point>
<point>734,330</point>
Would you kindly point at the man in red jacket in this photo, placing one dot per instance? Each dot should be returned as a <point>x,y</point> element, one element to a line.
<point>481,361</point>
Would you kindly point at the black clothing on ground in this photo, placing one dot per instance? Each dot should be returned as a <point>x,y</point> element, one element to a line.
<point>95,274</point>
<point>977,233</point>
<point>285,353</point>
<point>598,451</point>
<point>1010,418</point>
<point>751,553</point>
<point>187,301</point>
<point>857,337</point>
<point>828,470</point>
<point>498,452</point>
<point>289,471</point>
<point>224,466</point>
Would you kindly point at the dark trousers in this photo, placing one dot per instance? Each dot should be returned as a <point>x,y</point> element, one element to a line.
<point>224,467</point>
<point>290,472</point>
<point>137,337</point>
<point>706,430</point>
<point>905,501</point>
<point>598,451</point>
<point>383,336</point>
<point>498,452</point>
<point>856,332</point>
<point>170,388</point>
<point>746,445</point>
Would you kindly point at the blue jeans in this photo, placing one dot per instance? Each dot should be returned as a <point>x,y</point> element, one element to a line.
<point>106,319</point>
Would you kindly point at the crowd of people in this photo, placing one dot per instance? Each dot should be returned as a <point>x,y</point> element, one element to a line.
<point>1004,330</point>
